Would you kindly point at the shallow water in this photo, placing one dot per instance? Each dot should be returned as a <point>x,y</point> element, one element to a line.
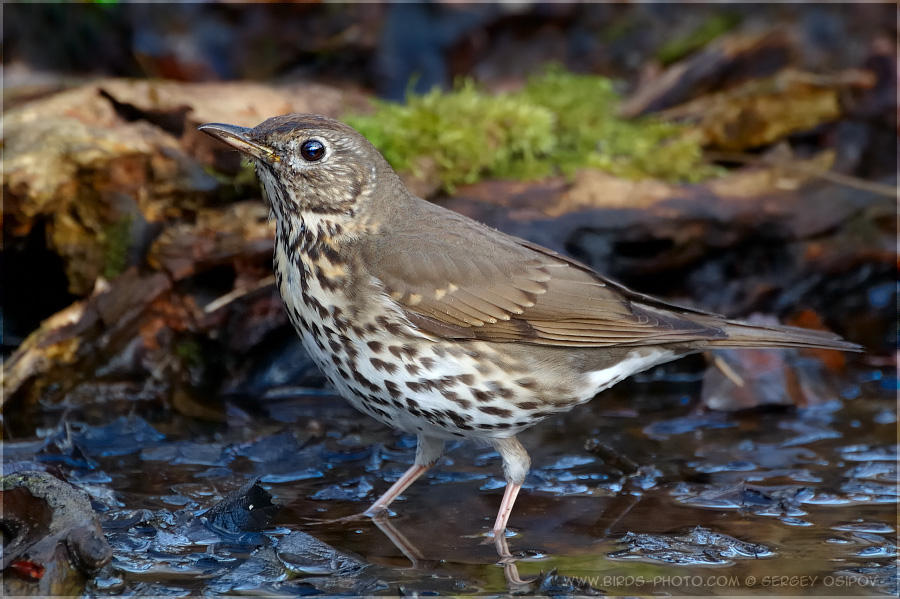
<point>638,492</point>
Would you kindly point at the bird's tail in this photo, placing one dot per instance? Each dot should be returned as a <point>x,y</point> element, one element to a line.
<point>740,334</point>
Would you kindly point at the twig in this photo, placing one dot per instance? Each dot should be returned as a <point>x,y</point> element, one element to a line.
<point>236,294</point>
<point>839,178</point>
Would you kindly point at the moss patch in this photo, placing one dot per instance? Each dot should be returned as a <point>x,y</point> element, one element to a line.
<point>559,122</point>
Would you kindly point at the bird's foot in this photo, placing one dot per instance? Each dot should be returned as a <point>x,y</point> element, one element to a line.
<point>494,536</point>
<point>376,511</point>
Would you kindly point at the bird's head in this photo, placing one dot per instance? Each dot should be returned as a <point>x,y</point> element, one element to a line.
<point>309,165</point>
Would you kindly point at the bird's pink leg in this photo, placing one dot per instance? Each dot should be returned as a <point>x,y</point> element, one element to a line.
<point>428,450</point>
<point>506,506</point>
<point>408,478</point>
<point>515,467</point>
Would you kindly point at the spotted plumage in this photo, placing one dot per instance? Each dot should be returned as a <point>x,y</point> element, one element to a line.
<point>438,325</point>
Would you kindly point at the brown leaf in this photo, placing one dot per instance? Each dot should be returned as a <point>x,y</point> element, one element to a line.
<point>761,112</point>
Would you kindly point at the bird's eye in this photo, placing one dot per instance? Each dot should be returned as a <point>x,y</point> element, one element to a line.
<point>312,150</point>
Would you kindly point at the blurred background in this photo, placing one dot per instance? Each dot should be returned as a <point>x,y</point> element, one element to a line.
<point>381,46</point>
<point>741,158</point>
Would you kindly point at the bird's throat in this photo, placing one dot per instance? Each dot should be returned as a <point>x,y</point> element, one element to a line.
<point>309,249</point>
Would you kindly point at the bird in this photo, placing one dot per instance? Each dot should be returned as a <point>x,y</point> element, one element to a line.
<point>440,326</point>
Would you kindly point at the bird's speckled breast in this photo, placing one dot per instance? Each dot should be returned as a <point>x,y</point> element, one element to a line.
<point>386,368</point>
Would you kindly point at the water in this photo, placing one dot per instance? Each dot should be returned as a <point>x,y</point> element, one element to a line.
<point>638,492</point>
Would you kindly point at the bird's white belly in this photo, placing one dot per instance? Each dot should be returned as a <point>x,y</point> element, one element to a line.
<point>636,361</point>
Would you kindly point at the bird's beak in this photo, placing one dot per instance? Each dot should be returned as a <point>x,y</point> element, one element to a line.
<point>239,139</point>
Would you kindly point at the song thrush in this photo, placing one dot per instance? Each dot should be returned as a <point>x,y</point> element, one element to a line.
<point>438,325</point>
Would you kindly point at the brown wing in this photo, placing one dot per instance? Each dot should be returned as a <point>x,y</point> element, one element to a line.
<point>469,281</point>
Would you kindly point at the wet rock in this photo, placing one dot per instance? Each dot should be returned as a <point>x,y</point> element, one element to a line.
<point>554,584</point>
<point>123,436</point>
<point>784,504</point>
<point>358,489</point>
<point>332,571</point>
<point>304,553</point>
<point>699,546</point>
<point>247,509</point>
<point>260,572</point>
<point>52,540</point>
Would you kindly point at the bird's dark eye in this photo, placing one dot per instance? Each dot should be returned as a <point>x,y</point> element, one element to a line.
<point>312,150</point>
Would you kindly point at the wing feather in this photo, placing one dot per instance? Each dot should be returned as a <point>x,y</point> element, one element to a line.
<point>469,281</point>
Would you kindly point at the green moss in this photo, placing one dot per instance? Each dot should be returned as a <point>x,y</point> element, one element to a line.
<point>116,242</point>
<point>466,134</point>
<point>557,123</point>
